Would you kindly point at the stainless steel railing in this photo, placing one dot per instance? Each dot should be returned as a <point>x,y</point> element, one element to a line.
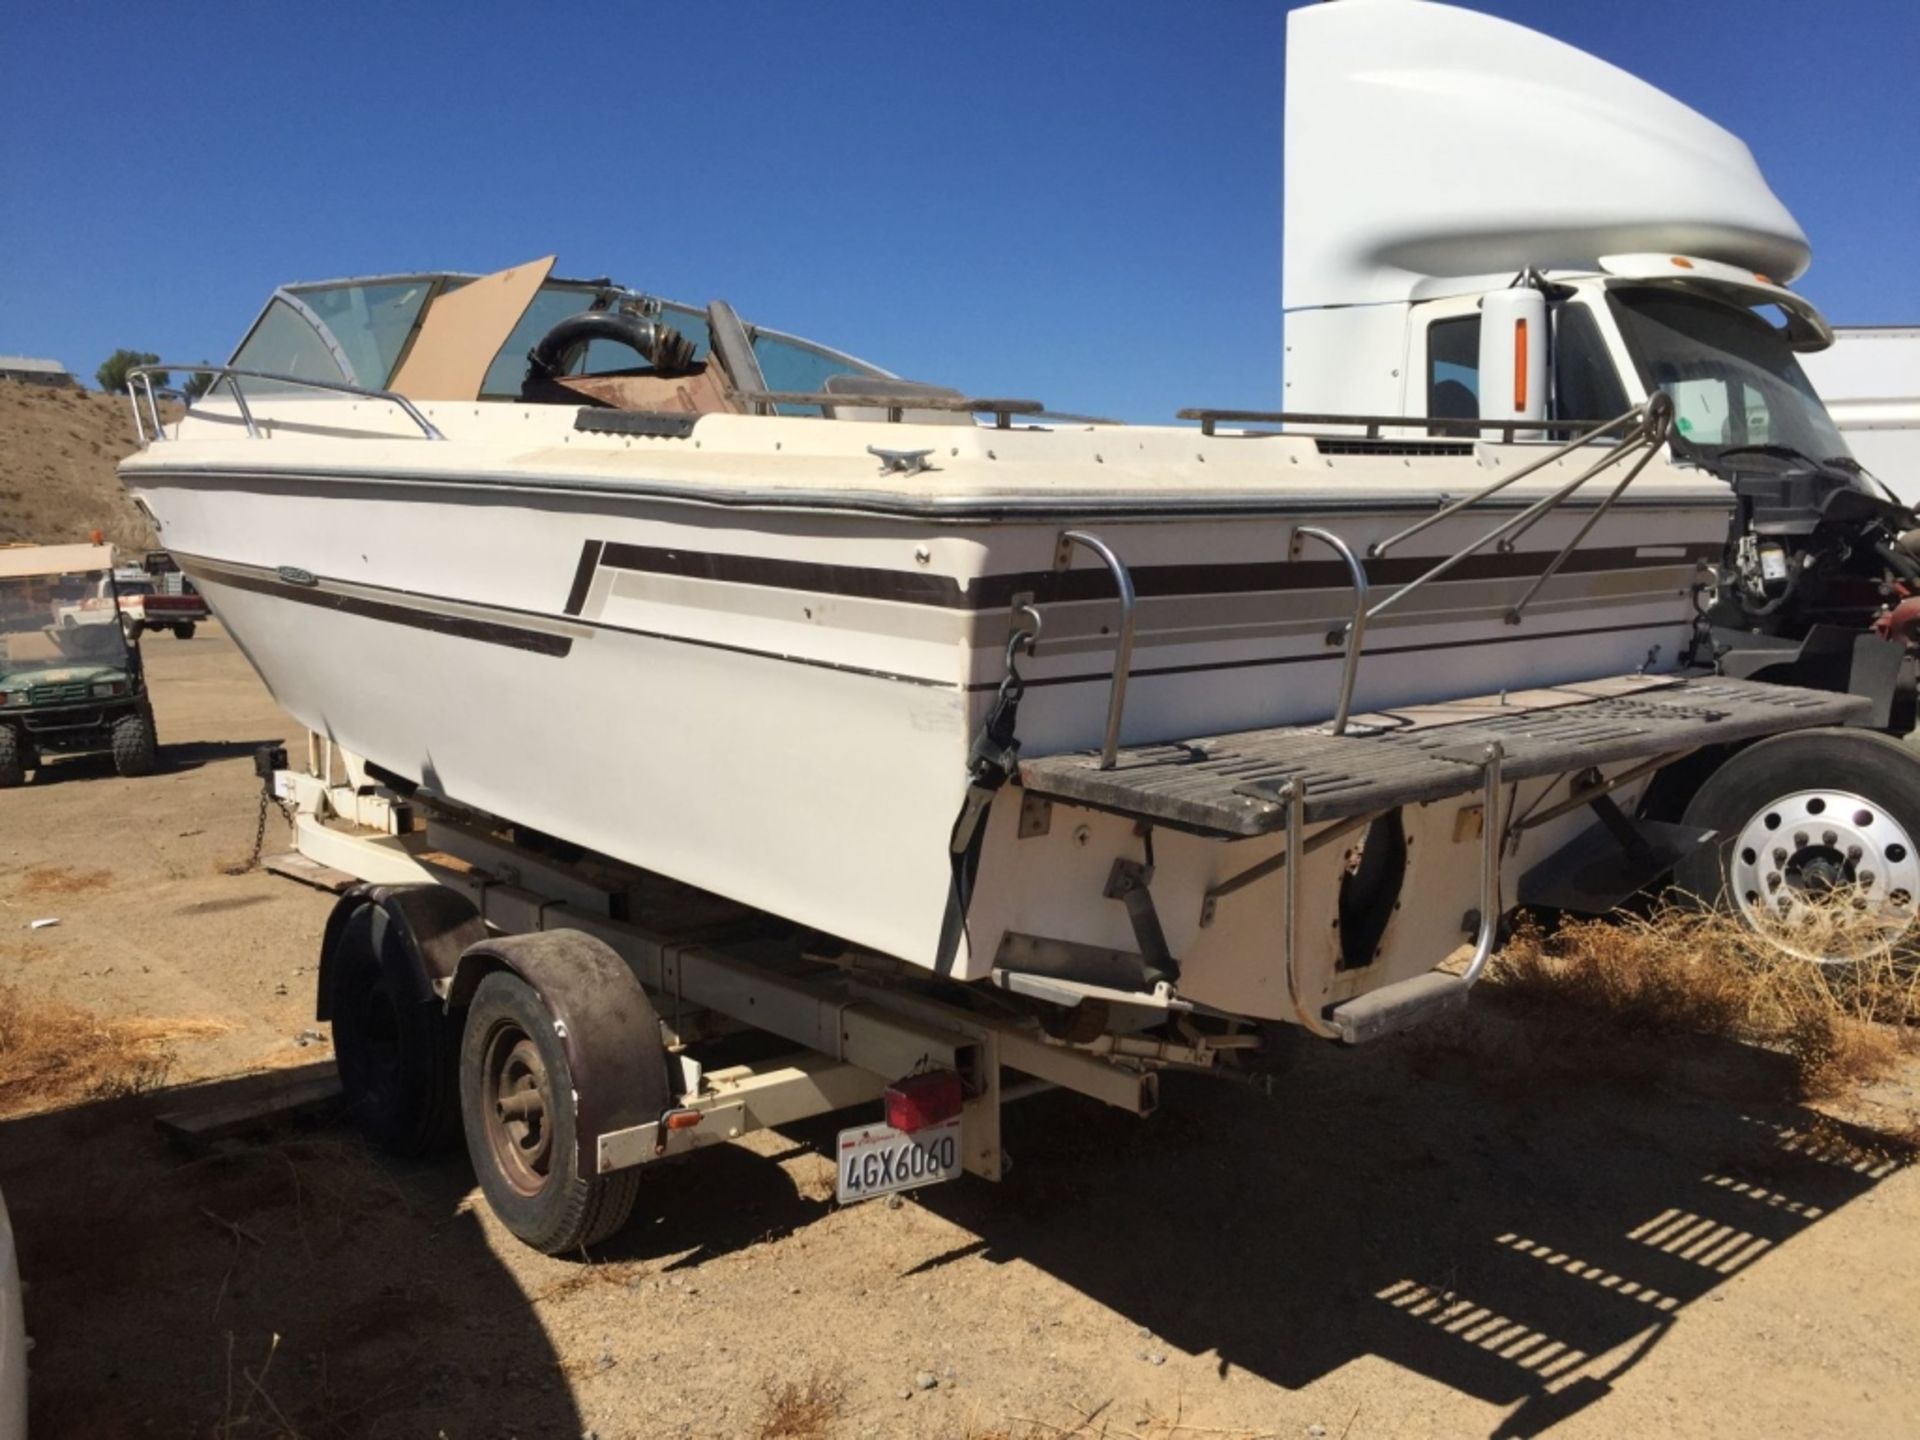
<point>1641,431</point>
<point>1487,921</point>
<point>1123,641</point>
<point>1356,628</point>
<point>140,383</point>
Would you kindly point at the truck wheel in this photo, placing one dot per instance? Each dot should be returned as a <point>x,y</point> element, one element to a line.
<point>134,751</point>
<point>397,1053</point>
<point>13,758</point>
<point>1800,816</point>
<point>130,628</point>
<point>184,630</point>
<point>516,1100</point>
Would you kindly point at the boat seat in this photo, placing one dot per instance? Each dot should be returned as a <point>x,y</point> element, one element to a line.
<point>1234,785</point>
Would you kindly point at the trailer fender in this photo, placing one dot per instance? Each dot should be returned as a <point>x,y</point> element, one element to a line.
<point>436,926</point>
<point>605,1022</point>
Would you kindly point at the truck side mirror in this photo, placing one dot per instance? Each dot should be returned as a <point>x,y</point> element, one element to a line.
<point>1513,355</point>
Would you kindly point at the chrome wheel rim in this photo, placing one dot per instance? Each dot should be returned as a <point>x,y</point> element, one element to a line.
<point>1810,844</point>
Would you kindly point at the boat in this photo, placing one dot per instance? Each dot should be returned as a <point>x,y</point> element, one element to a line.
<point>1000,696</point>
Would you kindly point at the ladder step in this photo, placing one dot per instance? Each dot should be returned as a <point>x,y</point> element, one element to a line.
<point>1395,1007</point>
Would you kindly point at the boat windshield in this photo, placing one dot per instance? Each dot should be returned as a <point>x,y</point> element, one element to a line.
<point>58,622</point>
<point>1734,380</point>
<point>360,331</point>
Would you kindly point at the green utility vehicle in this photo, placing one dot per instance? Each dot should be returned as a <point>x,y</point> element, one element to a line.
<point>69,680</point>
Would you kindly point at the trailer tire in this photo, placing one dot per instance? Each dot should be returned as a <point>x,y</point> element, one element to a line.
<point>527,1159</point>
<point>397,1053</point>
<point>13,758</point>
<point>135,751</point>
<point>184,630</point>
<point>1857,786</point>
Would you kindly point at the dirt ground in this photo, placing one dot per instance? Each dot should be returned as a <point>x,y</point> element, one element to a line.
<point>1458,1234</point>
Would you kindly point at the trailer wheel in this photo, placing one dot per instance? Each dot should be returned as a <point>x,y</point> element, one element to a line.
<point>397,1053</point>
<point>1807,815</point>
<point>13,759</point>
<point>184,630</point>
<point>134,749</point>
<point>517,1103</point>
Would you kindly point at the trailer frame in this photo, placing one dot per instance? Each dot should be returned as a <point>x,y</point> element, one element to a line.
<point>858,1021</point>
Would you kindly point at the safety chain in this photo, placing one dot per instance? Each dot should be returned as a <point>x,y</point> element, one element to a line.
<point>264,766</point>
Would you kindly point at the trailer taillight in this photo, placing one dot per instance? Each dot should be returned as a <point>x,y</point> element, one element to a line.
<point>920,1101</point>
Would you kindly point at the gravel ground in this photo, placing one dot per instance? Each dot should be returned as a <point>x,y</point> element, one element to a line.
<point>1449,1236</point>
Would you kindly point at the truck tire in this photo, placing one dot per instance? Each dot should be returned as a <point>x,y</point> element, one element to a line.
<point>397,1053</point>
<point>517,1104</point>
<point>1800,814</point>
<point>130,628</point>
<point>184,630</point>
<point>134,750</point>
<point>13,758</point>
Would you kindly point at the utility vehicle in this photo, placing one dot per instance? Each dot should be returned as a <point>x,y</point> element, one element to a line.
<point>69,680</point>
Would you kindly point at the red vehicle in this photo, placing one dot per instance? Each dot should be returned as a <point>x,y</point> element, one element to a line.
<point>159,599</point>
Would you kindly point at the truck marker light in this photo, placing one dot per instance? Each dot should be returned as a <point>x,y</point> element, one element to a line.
<point>1682,262</point>
<point>1520,367</point>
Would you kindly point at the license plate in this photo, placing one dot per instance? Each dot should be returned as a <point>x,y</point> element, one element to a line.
<point>878,1159</point>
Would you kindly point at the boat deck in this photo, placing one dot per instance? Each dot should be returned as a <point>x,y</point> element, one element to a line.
<point>1234,785</point>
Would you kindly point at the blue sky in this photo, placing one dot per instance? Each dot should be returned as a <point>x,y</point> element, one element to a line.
<point>1065,199</point>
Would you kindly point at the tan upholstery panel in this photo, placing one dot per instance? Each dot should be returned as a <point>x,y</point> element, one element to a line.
<point>465,329</point>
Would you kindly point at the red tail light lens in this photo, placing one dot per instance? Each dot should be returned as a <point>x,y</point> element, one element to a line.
<point>920,1101</point>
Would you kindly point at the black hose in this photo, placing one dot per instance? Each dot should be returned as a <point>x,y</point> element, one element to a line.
<point>663,347</point>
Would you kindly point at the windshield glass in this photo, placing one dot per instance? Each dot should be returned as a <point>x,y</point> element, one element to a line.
<point>58,622</point>
<point>372,321</point>
<point>1733,378</point>
<point>556,301</point>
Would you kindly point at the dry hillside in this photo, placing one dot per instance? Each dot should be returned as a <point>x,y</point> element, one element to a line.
<point>58,448</point>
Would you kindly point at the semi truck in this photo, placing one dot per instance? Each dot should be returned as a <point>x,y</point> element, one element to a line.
<point>1483,224</point>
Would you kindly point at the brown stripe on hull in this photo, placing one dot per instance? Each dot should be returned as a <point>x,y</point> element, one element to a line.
<point>996,592</point>
<point>465,627</point>
<point>546,643</point>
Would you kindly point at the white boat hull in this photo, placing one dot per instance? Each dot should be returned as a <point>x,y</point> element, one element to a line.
<point>778,706</point>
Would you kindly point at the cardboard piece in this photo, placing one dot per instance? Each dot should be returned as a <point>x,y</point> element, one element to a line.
<point>464,330</point>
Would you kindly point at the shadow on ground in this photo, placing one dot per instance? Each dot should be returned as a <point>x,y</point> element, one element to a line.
<point>1491,1227</point>
<point>1484,1206</point>
<point>1471,1208</point>
<point>98,765</point>
<point>159,1281</point>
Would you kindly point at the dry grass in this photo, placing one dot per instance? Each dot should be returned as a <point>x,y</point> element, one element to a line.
<point>53,1054</point>
<point>800,1409</point>
<point>1689,971</point>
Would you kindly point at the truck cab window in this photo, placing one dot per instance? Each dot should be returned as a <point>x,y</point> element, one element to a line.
<point>1585,384</point>
<point>1453,369</point>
